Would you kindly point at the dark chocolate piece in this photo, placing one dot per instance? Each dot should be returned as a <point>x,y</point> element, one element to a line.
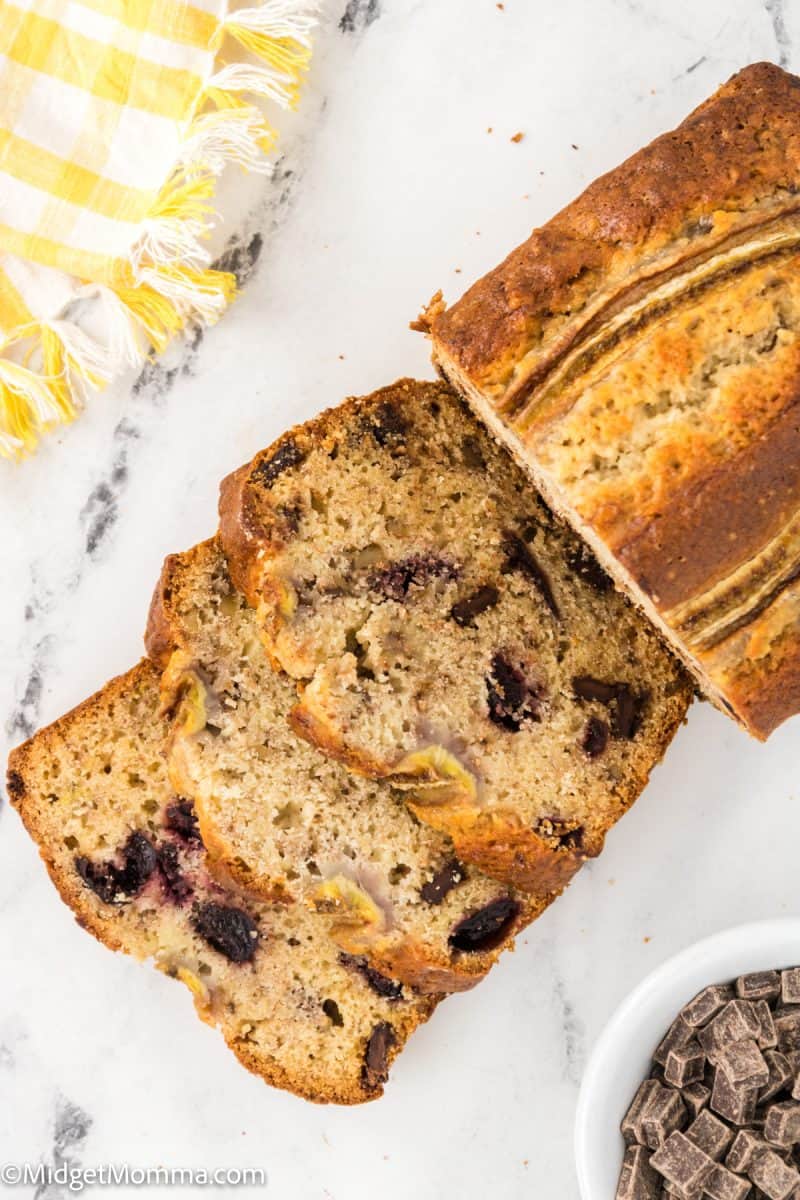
<point>790,985</point>
<point>445,879</point>
<point>743,1063</point>
<point>710,1134</point>
<point>375,1070</point>
<point>782,1123</point>
<point>758,985</point>
<point>486,928</point>
<point>465,611</point>
<point>665,1114</point>
<point>519,557</point>
<point>685,1064</point>
<point>722,1184</point>
<point>631,1126</point>
<point>735,1102</point>
<point>638,1180</point>
<point>780,1075</point>
<point>707,1004</point>
<point>769,1172</point>
<point>682,1163</point>
<point>679,1034</point>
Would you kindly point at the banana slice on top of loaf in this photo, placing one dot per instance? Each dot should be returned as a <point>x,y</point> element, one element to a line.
<point>448,633</point>
<point>294,826</point>
<point>124,852</point>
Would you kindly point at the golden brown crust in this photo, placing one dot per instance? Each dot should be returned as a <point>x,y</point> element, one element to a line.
<point>670,287</point>
<point>733,154</point>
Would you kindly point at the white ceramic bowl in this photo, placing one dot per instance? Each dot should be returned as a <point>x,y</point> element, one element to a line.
<point>622,1055</point>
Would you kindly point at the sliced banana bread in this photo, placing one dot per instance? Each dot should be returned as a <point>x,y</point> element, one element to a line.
<point>448,633</point>
<point>124,852</point>
<point>290,824</point>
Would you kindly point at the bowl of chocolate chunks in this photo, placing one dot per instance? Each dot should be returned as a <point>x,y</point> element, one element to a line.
<point>693,1088</point>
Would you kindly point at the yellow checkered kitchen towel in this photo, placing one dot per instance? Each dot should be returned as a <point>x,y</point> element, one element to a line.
<point>116,117</point>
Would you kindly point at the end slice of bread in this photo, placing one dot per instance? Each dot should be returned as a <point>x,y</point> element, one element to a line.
<point>448,633</point>
<point>123,851</point>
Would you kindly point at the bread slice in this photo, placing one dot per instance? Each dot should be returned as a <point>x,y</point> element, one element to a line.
<point>448,634</point>
<point>123,851</point>
<point>292,825</point>
<point>640,356</point>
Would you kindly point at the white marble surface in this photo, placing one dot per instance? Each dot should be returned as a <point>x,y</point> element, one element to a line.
<point>389,186</point>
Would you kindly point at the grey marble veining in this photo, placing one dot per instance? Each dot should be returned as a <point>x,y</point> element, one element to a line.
<point>389,184</point>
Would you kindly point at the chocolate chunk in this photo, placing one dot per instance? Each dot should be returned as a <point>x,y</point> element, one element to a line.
<point>139,862</point>
<point>744,1146</point>
<point>734,1102</point>
<point>229,930</point>
<point>737,1021</point>
<point>566,833</point>
<point>625,705</point>
<point>176,886</point>
<point>790,985</point>
<point>696,1096</point>
<point>780,1075</point>
<point>15,785</point>
<point>665,1113</point>
<point>287,455</point>
<point>743,1063</point>
<point>679,1034</point>
<point>767,1037</point>
<point>685,1064</point>
<point>387,424</point>
<point>512,700</point>
<point>627,712</point>
<point>112,883</point>
<point>722,1184</point>
<point>787,1028</point>
<point>396,580</point>
<point>710,1134</point>
<point>445,879</point>
<point>465,611</point>
<point>375,1070</point>
<point>519,557</point>
<point>631,1127</point>
<point>333,1013</point>
<point>587,688</point>
<point>769,1172</point>
<point>682,1163</point>
<point>181,818</point>
<point>707,1004</point>
<point>758,985</point>
<point>595,737</point>
<point>389,989</point>
<point>486,928</point>
<point>782,1123</point>
<point>583,563</point>
<point>638,1180</point>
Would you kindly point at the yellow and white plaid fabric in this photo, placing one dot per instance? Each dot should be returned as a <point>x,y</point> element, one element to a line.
<point>116,116</point>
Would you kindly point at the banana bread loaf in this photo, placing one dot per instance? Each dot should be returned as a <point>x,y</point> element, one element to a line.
<point>448,634</point>
<point>292,825</point>
<point>124,853</point>
<point>639,355</point>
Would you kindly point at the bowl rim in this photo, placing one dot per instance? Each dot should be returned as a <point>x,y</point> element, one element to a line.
<point>751,933</point>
